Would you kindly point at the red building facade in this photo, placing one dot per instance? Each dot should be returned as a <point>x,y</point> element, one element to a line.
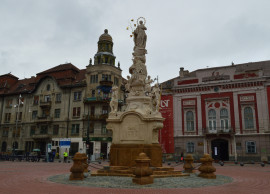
<point>223,111</point>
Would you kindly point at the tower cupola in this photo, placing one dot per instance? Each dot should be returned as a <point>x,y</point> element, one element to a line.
<point>105,50</point>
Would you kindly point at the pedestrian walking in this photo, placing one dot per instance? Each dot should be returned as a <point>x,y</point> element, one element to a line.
<point>65,156</point>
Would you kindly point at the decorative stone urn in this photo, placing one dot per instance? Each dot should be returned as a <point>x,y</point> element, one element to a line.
<point>142,171</point>
<point>189,166</point>
<point>207,169</point>
<point>77,168</point>
<point>85,165</point>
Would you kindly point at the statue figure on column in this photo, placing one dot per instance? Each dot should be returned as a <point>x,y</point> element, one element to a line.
<point>156,97</point>
<point>114,100</point>
<point>140,36</point>
<point>148,82</point>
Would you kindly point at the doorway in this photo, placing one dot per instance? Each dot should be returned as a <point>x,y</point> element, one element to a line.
<point>104,147</point>
<point>220,149</point>
<point>4,147</point>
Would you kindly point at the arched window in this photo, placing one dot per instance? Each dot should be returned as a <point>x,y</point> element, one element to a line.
<point>4,147</point>
<point>48,87</point>
<point>190,121</point>
<point>224,119</point>
<point>212,119</point>
<point>248,118</point>
<point>190,147</point>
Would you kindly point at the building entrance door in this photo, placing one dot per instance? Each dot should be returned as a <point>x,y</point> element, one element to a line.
<point>220,149</point>
<point>104,149</point>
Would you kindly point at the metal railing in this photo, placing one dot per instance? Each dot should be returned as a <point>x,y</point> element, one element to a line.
<point>218,130</point>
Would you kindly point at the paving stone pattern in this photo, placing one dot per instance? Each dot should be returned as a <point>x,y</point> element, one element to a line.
<point>192,181</point>
<point>33,177</point>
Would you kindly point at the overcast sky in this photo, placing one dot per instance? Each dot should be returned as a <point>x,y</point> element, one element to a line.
<point>36,35</point>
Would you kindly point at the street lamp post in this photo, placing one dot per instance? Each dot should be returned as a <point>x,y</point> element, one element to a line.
<point>17,118</point>
<point>87,137</point>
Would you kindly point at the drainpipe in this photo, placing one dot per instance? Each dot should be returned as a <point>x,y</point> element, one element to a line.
<point>235,153</point>
<point>2,110</point>
<point>68,110</point>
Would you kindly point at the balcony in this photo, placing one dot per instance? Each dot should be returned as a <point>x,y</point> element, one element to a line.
<point>45,104</point>
<point>107,83</point>
<point>92,100</point>
<point>98,136</point>
<point>218,132</point>
<point>95,117</point>
<point>44,119</point>
<point>42,137</point>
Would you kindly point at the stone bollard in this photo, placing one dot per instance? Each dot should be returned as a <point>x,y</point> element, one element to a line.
<point>142,171</point>
<point>85,165</point>
<point>77,168</point>
<point>189,166</point>
<point>207,169</point>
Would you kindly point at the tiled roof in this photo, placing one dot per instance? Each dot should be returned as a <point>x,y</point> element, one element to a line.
<point>62,67</point>
<point>66,75</point>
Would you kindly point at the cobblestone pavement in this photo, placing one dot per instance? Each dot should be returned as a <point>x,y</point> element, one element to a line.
<point>31,177</point>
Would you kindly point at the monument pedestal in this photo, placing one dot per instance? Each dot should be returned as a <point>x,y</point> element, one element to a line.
<point>125,154</point>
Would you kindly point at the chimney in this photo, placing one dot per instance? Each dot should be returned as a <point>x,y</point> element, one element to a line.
<point>181,73</point>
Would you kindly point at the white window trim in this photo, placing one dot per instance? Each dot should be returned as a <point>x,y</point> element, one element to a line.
<point>218,120</point>
<point>185,119</point>
<point>247,147</point>
<point>243,116</point>
<point>187,148</point>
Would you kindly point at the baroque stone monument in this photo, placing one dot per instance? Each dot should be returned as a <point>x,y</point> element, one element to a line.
<point>135,129</point>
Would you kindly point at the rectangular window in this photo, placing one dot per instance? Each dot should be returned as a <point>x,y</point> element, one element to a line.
<point>77,96</point>
<point>57,113</point>
<point>19,117</point>
<point>92,110</point>
<point>75,129</point>
<point>58,97</point>
<point>190,147</point>
<point>32,130</point>
<point>93,93</point>
<point>9,103</point>
<point>251,147</point>
<point>94,78</point>
<point>5,132</point>
<point>105,110</point>
<point>36,100</point>
<point>16,132</point>
<point>55,129</point>
<point>44,129</point>
<point>91,79</point>
<point>47,98</point>
<point>34,114</point>
<point>224,124</point>
<point>76,111</point>
<point>91,127</point>
<point>103,128</point>
<point>116,81</point>
<point>7,117</point>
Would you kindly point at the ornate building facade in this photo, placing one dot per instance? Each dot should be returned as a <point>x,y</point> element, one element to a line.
<point>223,111</point>
<point>61,102</point>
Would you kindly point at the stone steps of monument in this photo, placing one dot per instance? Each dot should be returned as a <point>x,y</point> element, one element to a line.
<point>164,169</point>
<point>111,174</point>
<point>167,172</point>
<point>168,175</point>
